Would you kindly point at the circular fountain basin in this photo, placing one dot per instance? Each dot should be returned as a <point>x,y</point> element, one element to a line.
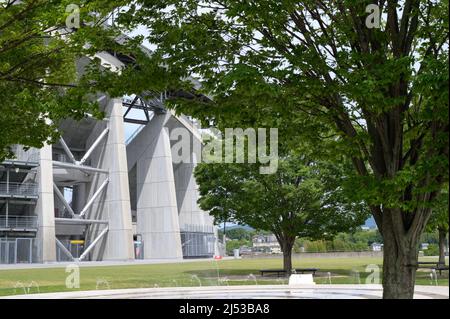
<point>245,292</point>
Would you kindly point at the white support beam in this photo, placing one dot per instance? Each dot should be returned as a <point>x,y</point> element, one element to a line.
<point>96,240</point>
<point>101,99</point>
<point>93,146</point>
<point>80,167</point>
<point>91,201</point>
<point>76,221</point>
<point>61,197</point>
<point>64,249</point>
<point>67,150</point>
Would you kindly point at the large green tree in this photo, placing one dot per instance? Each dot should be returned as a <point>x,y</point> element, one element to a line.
<point>314,65</point>
<point>40,84</point>
<point>302,199</point>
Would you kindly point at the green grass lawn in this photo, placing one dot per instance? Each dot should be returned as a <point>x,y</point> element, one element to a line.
<point>205,273</point>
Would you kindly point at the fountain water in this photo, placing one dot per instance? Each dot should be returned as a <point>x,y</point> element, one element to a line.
<point>251,276</point>
<point>356,276</point>
<point>224,280</point>
<point>433,276</point>
<point>102,282</point>
<point>26,288</point>
<point>195,277</point>
<point>19,284</point>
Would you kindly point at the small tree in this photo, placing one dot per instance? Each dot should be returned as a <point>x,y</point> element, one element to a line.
<point>300,199</point>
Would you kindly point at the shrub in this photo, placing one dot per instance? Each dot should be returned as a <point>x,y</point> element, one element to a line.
<point>433,250</point>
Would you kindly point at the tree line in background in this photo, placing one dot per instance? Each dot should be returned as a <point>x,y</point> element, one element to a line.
<point>360,240</point>
<point>357,241</point>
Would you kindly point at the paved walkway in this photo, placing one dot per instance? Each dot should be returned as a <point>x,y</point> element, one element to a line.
<point>244,292</point>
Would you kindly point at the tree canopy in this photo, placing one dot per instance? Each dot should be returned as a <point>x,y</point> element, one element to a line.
<point>439,217</point>
<point>302,199</point>
<point>314,66</point>
<point>40,81</point>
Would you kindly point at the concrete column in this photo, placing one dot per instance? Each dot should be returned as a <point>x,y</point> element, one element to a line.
<point>191,216</point>
<point>157,213</point>
<point>113,204</point>
<point>187,195</point>
<point>79,197</point>
<point>45,237</point>
<point>119,241</point>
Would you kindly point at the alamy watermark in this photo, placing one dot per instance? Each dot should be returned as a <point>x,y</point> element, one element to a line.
<point>73,19</point>
<point>373,20</point>
<point>73,277</point>
<point>374,274</point>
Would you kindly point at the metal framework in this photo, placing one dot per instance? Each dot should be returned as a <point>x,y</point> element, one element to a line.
<point>79,219</point>
<point>92,245</point>
<point>18,223</point>
<point>63,200</point>
<point>100,168</point>
<point>64,249</point>
<point>147,102</point>
<point>17,190</point>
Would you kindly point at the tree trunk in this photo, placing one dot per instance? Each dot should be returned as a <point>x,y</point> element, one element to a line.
<point>400,256</point>
<point>286,247</point>
<point>442,242</point>
<point>287,262</point>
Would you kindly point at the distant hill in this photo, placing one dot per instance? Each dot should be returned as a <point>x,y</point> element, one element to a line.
<point>371,223</point>
<point>229,227</point>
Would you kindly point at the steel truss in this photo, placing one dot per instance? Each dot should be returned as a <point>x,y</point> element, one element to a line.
<point>79,219</point>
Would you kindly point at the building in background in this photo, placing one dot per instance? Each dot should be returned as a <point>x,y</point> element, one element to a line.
<point>377,247</point>
<point>95,196</point>
<point>266,243</point>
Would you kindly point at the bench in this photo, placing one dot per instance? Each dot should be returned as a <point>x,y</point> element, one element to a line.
<point>272,271</point>
<point>425,263</point>
<point>441,268</point>
<point>283,272</point>
<point>436,265</point>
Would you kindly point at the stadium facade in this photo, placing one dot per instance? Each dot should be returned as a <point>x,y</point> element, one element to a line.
<point>94,195</point>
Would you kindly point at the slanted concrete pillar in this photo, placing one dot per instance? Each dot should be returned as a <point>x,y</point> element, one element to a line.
<point>45,210</point>
<point>157,213</point>
<point>187,195</point>
<point>119,240</point>
<point>191,216</point>
<point>114,203</point>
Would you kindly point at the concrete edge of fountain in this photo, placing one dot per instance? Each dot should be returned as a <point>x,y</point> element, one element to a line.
<point>241,292</point>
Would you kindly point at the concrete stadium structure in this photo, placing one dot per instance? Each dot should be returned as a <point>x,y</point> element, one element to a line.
<point>95,196</point>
